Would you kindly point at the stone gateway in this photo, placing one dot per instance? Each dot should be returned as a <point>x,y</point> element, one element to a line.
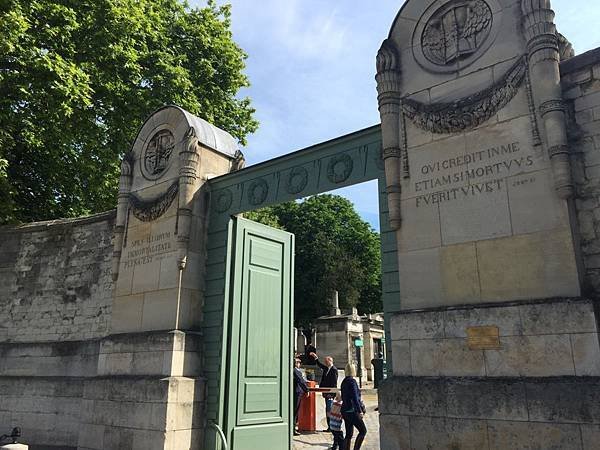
<point>131,329</point>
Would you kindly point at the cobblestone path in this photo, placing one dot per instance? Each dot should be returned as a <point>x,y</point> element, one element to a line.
<point>323,440</point>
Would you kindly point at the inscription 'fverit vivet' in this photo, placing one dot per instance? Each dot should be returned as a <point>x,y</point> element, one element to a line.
<point>464,174</point>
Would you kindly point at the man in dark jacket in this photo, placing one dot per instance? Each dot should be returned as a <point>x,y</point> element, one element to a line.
<point>329,379</point>
<point>300,390</point>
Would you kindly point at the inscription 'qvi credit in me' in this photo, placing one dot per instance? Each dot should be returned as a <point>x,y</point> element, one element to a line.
<point>498,170</point>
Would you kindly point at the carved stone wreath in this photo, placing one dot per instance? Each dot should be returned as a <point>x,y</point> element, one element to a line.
<point>156,157</point>
<point>257,192</point>
<point>223,201</point>
<point>339,168</point>
<point>297,180</point>
<point>149,210</point>
<point>468,112</point>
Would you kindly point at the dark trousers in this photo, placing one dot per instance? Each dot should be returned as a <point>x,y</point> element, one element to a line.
<point>352,420</point>
<point>328,403</point>
<point>297,401</point>
<point>338,440</point>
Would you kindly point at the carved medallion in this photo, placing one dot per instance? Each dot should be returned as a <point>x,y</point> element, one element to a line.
<point>339,168</point>
<point>456,31</point>
<point>455,34</point>
<point>257,192</point>
<point>297,180</point>
<point>157,155</point>
<point>223,201</point>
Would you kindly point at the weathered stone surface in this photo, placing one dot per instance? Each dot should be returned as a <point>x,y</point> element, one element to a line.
<point>460,278</point>
<point>402,359</point>
<point>433,433</point>
<point>545,355</point>
<point>507,319</point>
<point>420,265</point>
<point>501,400</point>
<point>533,436</point>
<point>55,280</point>
<point>586,354</point>
<point>411,396</point>
<point>419,325</point>
<point>590,435</point>
<point>568,401</point>
<point>538,265</point>
<point>394,432</point>
<point>450,357</point>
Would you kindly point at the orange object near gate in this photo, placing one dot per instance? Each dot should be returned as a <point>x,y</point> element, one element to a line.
<point>307,415</point>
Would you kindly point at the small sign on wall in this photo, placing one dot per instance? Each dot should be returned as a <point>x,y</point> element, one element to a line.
<point>483,338</point>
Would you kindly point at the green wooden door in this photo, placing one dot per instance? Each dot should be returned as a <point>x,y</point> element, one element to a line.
<point>259,365</point>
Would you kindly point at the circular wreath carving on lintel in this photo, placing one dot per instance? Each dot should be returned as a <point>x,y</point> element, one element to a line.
<point>453,34</point>
<point>340,168</point>
<point>297,180</point>
<point>223,201</point>
<point>257,192</point>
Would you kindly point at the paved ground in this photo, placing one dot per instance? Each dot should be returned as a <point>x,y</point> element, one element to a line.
<point>324,440</point>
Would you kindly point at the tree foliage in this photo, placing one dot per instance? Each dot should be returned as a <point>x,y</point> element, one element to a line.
<point>335,250</point>
<point>78,77</point>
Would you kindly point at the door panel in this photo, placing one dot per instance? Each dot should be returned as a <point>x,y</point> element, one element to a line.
<point>258,400</point>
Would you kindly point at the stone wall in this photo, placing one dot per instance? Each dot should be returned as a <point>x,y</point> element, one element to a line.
<point>55,280</point>
<point>536,339</point>
<point>581,86</point>
<point>491,414</point>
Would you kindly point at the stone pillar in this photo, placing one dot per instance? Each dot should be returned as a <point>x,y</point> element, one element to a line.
<point>335,304</point>
<point>150,392</point>
<point>392,127</point>
<point>122,208</point>
<point>544,58</point>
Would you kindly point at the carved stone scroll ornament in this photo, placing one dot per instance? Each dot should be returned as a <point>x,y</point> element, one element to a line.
<point>468,112</point>
<point>149,210</point>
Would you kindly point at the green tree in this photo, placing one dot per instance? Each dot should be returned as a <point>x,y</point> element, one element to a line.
<point>77,78</point>
<point>335,250</point>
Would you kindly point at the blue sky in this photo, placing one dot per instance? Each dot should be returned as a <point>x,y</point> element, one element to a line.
<point>312,66</point>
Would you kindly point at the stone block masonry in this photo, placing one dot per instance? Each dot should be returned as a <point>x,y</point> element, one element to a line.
<point>490,413</point>
<point>581,87</point>
<point>55,280</point>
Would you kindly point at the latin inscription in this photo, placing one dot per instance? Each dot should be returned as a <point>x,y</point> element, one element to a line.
<point>144,251</point>
<point>441,184</point>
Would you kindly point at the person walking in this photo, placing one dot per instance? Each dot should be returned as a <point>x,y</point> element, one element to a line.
<point>335,423</point>
<point>329,379</point>
<point>300,390</point>
<point>353,409</point>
